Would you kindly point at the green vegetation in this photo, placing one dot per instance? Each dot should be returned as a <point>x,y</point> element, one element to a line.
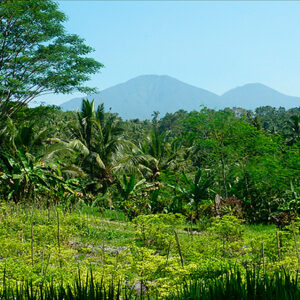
<point>200,204</point>
<point>37,55</point>
<point>157,254</point>
<point>209,164</point>
<point>228,286</point>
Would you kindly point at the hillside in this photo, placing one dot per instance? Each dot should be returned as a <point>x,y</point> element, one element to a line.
<point>140,96</point>
<point>253,95</point>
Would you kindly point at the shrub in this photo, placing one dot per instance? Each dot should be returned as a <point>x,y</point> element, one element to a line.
<point>157,230</point>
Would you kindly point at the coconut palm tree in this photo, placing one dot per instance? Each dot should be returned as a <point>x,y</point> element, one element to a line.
<point>198,189</point>
<point>293,127</point>
<point>24,138</point>
<point>155,154</point>
<point>161,152</point>
<point>102,136</point>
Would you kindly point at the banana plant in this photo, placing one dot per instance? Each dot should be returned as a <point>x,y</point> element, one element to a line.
<point>127,187</point>
<point>134,195</point>
<point>66,185</point>
<point>291,201</point>
<point>22,176</point>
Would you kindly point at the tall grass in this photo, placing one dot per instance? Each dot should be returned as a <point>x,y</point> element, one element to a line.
<point>233,285</point>
<point>80,290</point>
<point>114,215</point>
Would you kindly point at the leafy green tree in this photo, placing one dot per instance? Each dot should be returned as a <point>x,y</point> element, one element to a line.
<point>172,123</point>
<point>253,166</point>
<point>212,134</point>
<point>276,121</point>
<point>37,56</point>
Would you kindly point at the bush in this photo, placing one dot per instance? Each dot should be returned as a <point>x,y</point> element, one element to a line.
<point>157,230</point>
<point>228,227</point>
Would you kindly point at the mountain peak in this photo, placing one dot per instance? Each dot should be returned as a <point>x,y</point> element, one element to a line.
<point>250,87</point>
<point>253,95</point>
<point>151,77</point>
<point>140,96</point>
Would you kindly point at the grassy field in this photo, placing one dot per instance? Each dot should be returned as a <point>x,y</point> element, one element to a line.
<point>153,254</point>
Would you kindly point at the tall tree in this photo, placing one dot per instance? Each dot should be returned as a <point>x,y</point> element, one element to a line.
<point>101,134</point>
<point>293,126</point>
<point>37,56</point>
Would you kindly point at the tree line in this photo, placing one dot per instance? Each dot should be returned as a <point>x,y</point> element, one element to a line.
<point>198,163</point>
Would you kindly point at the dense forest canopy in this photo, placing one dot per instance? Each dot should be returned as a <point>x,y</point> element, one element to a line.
<point>199,163</point>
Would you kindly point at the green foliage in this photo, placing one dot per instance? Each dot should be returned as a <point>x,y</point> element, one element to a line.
<point>79,289</point>
<point>22,176</point>
<point>236,285</point>
<point>228,228</point>
<point>129,187</point>
<point>50,245</point>
<point>132,194</point>
<point>75,179</point>
<point>157,230</point>
<point>102,136</point>
<point>253,166</point>
<point>198,189</point>
<point>94,155</point>
<point>37,55</point>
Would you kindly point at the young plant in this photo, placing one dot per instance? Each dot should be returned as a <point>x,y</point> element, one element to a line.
<point>198,189</point>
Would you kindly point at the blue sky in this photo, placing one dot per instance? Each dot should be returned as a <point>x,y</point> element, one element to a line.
<point>213,45</point>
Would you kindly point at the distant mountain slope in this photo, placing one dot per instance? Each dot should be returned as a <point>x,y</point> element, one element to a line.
<point>140,96</point>
<point>253,95</point>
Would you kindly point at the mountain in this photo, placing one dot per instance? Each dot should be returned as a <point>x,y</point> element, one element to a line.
<point>253,95</point>
<point>140,96</point>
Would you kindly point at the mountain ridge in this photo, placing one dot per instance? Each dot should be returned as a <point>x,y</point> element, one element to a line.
<point>140,96</point>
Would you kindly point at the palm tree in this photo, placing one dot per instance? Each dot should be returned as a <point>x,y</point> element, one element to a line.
<point>24,138</point>
<point>294,129</point>
<point>198,189</point>
<point>86,118</point>
<point>101,133</point>
<point>161,152</point>
<point>158,152</point>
